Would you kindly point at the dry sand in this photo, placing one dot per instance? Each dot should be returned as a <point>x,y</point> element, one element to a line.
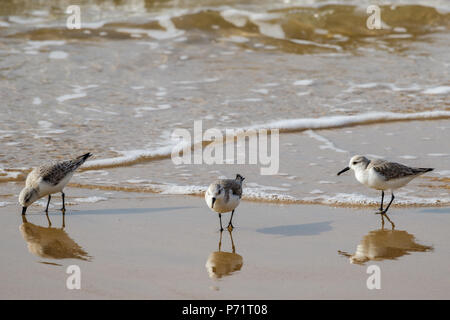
<point>157,247</point>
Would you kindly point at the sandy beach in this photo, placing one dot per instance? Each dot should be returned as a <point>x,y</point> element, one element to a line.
<point>157,247</point>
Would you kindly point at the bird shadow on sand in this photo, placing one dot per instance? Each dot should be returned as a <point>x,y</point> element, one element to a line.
<point>307,229</point>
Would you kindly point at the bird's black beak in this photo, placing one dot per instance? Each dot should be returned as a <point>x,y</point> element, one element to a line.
<point>24,209</point>
<point>343,170</point>
<point>212,204</point>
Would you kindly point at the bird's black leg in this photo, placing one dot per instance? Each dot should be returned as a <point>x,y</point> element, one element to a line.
<point>63,202</point>
<point>220,218</point>
<point>392,199</point>
<point>380,211</point>
<point>48,203</point>
<point>230,224</point>
<point>387,208</point>
<point>382,198</point>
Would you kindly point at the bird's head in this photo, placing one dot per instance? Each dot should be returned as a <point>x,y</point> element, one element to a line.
<point>216,192</point>
<point>356,163</point>
<point>27,196</point>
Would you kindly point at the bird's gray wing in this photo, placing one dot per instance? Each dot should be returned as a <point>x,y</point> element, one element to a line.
<point>393,170</point>
<point>54,172</point>
<point>232,185</point>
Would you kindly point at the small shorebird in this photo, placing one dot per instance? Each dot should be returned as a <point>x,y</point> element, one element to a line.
<point>382,175</point>
<point>224,196</point>
<point>48,179</point>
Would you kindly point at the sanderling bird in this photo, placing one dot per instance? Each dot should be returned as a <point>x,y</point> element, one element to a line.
<point>48,179</point>
<point>224,196</point>
<point>382,175</point>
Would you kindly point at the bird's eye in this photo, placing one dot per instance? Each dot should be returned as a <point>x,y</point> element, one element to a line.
<point>354,162</point>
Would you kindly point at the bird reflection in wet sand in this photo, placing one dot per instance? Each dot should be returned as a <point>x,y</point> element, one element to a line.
<point>51,243</point>
<point>222,263</point>
<point>383,244</point>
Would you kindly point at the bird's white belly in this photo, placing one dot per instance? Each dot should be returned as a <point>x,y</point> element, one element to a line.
<point>377,181</point>
<point>46,188</point>
<point>220,206</point>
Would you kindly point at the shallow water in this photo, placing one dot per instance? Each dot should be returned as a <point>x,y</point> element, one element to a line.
<point>138,70</point>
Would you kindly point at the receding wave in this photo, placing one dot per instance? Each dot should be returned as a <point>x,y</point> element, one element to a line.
<point>333,122</point>
<point>289,125</point>
<point>129,158</point>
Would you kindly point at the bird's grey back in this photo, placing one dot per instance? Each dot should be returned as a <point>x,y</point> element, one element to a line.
<point>230,184</point>
<point>394,170</point>
<point>55,171</point>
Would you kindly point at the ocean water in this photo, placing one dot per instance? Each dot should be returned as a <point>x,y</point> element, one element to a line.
<point>138,70</point>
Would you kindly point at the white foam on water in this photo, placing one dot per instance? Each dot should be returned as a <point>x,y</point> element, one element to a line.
<point>25,20</point>
<point>93,25</point>
<point>443,173</point>
<point>170,31</point>
<point>132,156</point>
<point>261,91</point>
<point>71,96</point>
<point>207,80</point>
<point>438,154</point>
<point>399,36</point>
<point>45,124</point>
<point>58,55</point>
<point>92,199</point>
<point>10,175</point>
<point>37,101</point>
<point>408,157</point>
<point>305,82</point>
<point>316,44</point>
<point>437,90</point>
<point>36,45</point>
<point>359,199</point>
<point>346,121</point>
<point>78,93</point>
<point>236,39</point>
<point>385,85</point>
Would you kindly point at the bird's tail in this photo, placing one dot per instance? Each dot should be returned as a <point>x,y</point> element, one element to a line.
<point>81,159</point>
<point>85,156</point>
<point>422,170</point>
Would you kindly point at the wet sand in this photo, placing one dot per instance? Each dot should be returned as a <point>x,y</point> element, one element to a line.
<point>157,247</point>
